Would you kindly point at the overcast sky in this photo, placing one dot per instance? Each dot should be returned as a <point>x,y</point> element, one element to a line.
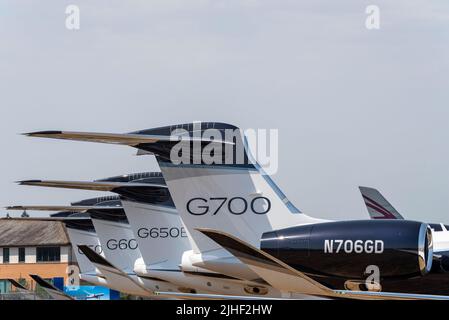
<point>353,106</point>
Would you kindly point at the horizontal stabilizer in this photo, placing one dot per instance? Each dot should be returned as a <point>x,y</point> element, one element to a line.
<point>129,139</point>
<point>83,185</point>
<point>63,208</point>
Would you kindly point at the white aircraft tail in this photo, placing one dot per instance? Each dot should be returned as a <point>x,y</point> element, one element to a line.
<point>378,207</point>
<point>149,209</point>
<point>116,237</point>
<point>232,194</point>
<point>82,232</point>
<point>151,213</point>
<point>159,232</point>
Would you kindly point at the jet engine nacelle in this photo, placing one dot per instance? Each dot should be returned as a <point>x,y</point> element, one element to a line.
<point>398,248</point>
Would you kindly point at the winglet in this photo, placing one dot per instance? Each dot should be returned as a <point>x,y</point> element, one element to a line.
<point>42,282</point>
<point>17,284</point>
<point>95,257</point>
<point>288,279</point>
<point>64,208</point>
<point>54,292</point>
<point>114,274</point>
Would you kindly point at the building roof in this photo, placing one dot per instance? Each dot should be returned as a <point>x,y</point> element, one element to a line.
<point>19,232</point>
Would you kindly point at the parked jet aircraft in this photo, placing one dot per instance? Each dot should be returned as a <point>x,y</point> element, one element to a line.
<point>160,235</point>
<point>113,231</point>
<point>239,203</point>
<point>82,232</point>
<point>380,208</point>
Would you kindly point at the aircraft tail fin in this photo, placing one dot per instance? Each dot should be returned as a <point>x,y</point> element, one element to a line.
<point>219,185</point>
<point>378,207</point>
<point>82,232</point>
<point>159,231</point>
<point>212,176</point>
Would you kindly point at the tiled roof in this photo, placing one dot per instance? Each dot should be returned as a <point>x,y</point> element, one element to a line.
<point>16,232</point>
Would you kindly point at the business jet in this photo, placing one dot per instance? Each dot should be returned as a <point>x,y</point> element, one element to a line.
<point>117,243</point>
<point>160,235</point>
<point>380,208</point>
<point>231,206</point>
<point>82,232</point>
